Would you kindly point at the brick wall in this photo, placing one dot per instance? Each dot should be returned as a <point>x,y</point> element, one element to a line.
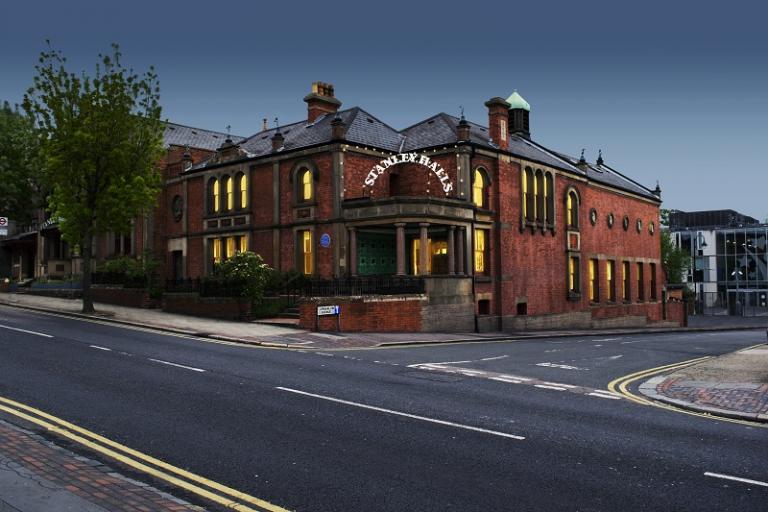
<point>225,308</point>
<point>130,297</point>
<point>366,314</point>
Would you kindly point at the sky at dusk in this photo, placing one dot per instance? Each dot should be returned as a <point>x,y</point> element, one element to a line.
<point>670,91</point>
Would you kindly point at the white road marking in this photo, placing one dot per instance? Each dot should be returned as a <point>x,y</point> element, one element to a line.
<point>616,357</point>
<point>561,366</point>
<point>507,380</point>
<point>609,339</point>
<point>101,348</point>
<point>556,388</point>
<point>558,384</point>
<point>177,365</point>
<point>458,362</point>
<point>600,395</point>
<point>26,331</point>
<point>737,479</point>
<point>403,414</point>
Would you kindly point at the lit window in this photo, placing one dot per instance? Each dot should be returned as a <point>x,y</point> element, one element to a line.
<point>216,196</point>
<point>480,248</point>
<point>306,185</point>
<point>610,271</point>
<point>231,247</point>
<point>529,192</point>
<point>572,207</point>
<point>525,196</point>
<point>242,188</point>
<point>217,250</point>
<point>306,251</point>
<point>230,189</point>
<point>594,284</point>
<point>478,189</point>
<point>243,243</point>
<point>573,274</point>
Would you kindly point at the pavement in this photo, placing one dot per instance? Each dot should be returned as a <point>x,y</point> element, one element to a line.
<point>733,385</point>
<point>38,476</point>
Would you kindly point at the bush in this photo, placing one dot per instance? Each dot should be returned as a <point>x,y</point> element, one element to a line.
<point>245,271</point>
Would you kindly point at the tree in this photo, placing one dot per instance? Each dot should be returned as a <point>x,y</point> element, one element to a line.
<point>101,138</point>
<point>20,165</point>
<point>675,260</point>
<point>247,272</point>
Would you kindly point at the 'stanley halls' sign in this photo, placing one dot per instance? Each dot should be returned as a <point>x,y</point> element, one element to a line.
<point>415,158</point>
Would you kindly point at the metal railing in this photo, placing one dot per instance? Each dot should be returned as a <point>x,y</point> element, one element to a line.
<point>362,285</point>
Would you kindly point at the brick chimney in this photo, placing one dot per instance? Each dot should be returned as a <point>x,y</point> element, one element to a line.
<point>321,101</point>
<point>338,128</point>
<point>462,130</point>
<point>277,141</point>
<point>497,121</point>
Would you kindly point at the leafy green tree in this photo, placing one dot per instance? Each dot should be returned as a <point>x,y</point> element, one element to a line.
<point>101,138</point>
<point>248,272</point>
<point>21,165</point>
<point>675,261</point>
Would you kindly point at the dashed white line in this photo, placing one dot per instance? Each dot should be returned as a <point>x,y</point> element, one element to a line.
<point>558,384</point>
<point>544,386</point>
<point>177,365</point>
<point>26,331</point>
<point>105,349</point>
<point>600,395</point>
<point>403,414</point>
<point>609,339</point>
<point>737,479</point>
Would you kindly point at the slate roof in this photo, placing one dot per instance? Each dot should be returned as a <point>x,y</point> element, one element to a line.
<point>439,130</point>
<point>180,135</point>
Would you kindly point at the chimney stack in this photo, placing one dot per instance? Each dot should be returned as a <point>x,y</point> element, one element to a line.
<point>338,128</point>
<point>497,121</point>
<point>321,101</point>
<point>277,141</point>
<point>462,130</point>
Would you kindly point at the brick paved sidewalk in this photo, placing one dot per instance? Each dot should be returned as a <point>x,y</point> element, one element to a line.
<point>38,476</point>
<point>733,385</point>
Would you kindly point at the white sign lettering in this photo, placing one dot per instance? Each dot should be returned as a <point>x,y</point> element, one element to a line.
<point>405,158</point>
<point>328,310</point>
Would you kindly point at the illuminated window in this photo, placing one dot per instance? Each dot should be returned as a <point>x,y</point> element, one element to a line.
<point>229,188</point>
<point>529,202</point>
<point>625,296</point>
<point>610,277</point>
<point>306,192</point>
<point>572,209</point>
<point>416,252</point>
<point>549,198</point>
<point>217,250</point>
<point>481,247</point>
<point>640,282</point>
<point>305,238</point>
<point>573,274</point>
<point>231,247</point>
<point>478,189</point>
<point>216,196</point>
<point>594,283</point>
<point>242,190</point>
<point>243,244</point>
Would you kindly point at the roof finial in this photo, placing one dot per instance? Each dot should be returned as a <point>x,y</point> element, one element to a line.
<point>599,157</point>
<point>277,123</point>
<point>461,109</point>
<point>657,190</point>
<point>581,159</point>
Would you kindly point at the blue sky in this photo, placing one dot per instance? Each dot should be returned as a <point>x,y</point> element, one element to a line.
<point>670,91</point>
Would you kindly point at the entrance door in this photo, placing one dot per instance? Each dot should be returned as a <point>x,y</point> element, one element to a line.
<point>177,263</point>
<point>376,254</point>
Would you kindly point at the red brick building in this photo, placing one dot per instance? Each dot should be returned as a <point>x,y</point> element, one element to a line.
<point>516,235</point>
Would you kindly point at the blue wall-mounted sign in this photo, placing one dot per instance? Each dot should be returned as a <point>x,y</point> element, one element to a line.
<point>325,241</point>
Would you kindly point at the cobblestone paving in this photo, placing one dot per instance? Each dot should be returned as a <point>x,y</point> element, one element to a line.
<point>26,453</point>
<point>740,397</point>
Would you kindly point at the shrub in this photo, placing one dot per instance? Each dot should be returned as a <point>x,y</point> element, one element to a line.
<point>247,271</point>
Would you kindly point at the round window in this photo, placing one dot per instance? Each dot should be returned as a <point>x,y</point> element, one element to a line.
<point>651,228</point>
<point>625,223</point>
<point>639,225</point>
<point>593,216</point>
<point>610,219</point>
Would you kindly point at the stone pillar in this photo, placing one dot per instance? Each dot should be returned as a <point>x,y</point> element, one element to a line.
<point>400,248</point>
<point>460,266</point>
<point>423,253</point>
<point>352,252</point>
<point>451,249</point>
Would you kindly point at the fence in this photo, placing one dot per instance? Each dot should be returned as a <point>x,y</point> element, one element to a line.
<point>119,278</point>
<point>368,285</point>
<point>742,302</point>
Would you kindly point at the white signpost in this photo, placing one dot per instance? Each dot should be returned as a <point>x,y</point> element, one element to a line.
<point>328,311</point>
<point>3,226</point>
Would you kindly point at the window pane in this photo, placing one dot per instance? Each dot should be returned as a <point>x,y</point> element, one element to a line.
<point>216,196</point>
<point>306,185</point>
<point>480,239</point>
<point>243,191</point>
<point>306,246</point>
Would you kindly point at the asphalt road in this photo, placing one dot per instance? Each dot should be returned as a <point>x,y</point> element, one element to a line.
<point>417,429</point>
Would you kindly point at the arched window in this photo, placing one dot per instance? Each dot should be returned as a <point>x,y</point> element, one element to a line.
<point>529,204</point>
<point>215,195</point>
<point>242,191</point>
<point>540,192</point>
<point>549,199</point>
<point>480,184</point>
<point>572,209</point>
<point>229,190</point>
<point>306,192</point>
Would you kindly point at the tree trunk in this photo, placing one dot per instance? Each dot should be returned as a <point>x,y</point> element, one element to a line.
<point>87,252</point>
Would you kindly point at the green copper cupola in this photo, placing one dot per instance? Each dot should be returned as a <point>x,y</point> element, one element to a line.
<point>519,112</point>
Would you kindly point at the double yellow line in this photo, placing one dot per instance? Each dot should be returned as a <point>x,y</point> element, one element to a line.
<point>620,385</point>
<point>208,489</point>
